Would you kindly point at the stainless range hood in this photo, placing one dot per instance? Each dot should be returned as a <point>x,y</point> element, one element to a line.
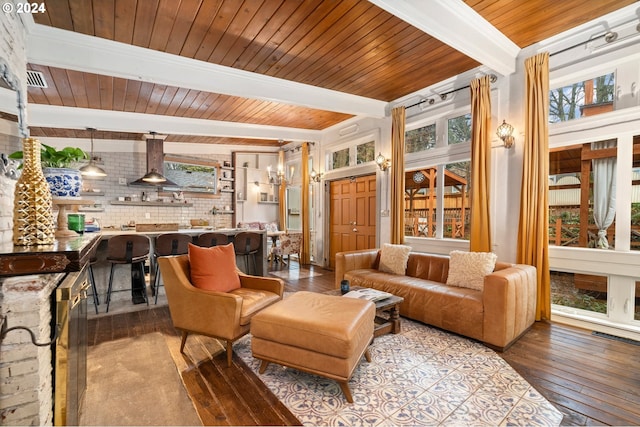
<point>155,160</point>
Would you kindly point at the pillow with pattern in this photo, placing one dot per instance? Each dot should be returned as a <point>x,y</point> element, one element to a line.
<point>394,258</point>
<point>467,269</point>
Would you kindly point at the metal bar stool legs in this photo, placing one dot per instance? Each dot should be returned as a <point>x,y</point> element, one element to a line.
<point>94,289</point>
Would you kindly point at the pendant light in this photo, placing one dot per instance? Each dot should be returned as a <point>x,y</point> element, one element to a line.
<point>154,158</point>
<point>92,170</point>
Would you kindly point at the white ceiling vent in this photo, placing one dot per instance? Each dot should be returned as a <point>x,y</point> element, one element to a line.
<point>36,79</point>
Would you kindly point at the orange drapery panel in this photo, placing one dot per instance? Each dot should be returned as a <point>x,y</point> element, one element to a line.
<point>533,243</point>
<point>398,117</point>
<point>480,240</point>
<point>306,231</point>
<point>282,191</point>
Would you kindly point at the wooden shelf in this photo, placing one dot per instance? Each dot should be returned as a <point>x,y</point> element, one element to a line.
<point>167,205</point>
<point>269,202</point>
<point>92,193</point>
<point>90,209</point>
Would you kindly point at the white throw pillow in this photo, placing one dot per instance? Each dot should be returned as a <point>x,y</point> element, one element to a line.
<point>467,269</point>
<point>394,258</point>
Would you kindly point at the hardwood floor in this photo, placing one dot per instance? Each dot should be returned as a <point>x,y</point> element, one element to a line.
<point>590,379</point>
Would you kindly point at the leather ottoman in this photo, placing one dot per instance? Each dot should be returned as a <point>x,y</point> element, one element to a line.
<point>321,334</point>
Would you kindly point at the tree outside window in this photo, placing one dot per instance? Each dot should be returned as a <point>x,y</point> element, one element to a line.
<point>587,98</point>
<point>420,139</point>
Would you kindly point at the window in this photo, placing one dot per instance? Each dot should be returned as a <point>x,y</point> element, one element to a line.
<point>420,139</point>
<point>635,197</point>
<point>587,98</point>
<point>340,159</point>
<point>365,152</point>
<point>437,181</point>
<point>582,192</point>
<point>582,291</point>
<point>459,129</point>
<point>424,195</point>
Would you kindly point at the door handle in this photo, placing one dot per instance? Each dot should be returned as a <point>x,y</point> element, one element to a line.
<point>355,229</point>
<point>353,223</point>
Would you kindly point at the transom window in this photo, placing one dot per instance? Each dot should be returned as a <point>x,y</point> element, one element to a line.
<point>582,99</point>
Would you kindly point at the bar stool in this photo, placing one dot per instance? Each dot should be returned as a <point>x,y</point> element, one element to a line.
<point>207,240</point>
<point>247,244</point>
<point>127,249</point>
<point>168,244</point>
<point>93,258</point>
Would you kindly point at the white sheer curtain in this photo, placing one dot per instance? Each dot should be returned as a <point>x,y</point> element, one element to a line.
<point>604,192</point>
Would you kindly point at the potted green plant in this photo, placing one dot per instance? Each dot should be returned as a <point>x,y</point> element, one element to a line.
<point>64,181</point>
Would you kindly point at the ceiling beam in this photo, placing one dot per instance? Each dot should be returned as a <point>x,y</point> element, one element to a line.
<point>459,26</point>
<point>80,118</point>
<point>65,49</point>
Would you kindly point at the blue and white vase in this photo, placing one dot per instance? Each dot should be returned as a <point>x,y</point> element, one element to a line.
<point>65,183</point>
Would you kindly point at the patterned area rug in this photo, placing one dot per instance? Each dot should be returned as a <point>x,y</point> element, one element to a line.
<point>422,376</point>
<point>295,274</point>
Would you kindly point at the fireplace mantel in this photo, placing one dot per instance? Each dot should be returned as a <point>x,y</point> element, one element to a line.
<point>65,255</point>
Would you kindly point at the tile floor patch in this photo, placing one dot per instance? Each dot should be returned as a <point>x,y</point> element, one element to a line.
<point>422,376</point>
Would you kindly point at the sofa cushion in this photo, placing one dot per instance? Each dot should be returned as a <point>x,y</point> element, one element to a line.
<point>214,268</point>
<point>393,258</point>
<point>467,269</point>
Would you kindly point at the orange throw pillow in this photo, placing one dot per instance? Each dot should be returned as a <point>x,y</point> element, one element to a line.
<point>214,268</point>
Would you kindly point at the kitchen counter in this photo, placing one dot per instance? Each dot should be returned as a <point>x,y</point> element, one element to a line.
<point>106,233</point>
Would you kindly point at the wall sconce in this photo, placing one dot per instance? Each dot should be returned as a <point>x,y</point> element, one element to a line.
<point>315,176</point>
<point>382,162</point>
<point>504,132</point>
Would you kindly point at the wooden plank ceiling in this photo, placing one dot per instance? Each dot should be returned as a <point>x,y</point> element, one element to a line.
<point>350,46</point>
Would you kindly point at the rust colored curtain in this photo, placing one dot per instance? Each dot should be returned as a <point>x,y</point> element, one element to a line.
<point>306,231</point>
<point>282,193</point>
<point>480,226</point>
<point>533,243</point>
<point>398,117</point>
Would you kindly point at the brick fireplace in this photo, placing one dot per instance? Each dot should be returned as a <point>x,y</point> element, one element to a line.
<point>26,387</point>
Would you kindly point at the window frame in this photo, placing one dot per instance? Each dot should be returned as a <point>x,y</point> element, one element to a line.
<point>439,156</point>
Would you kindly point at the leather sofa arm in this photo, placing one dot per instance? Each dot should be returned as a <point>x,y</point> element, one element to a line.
<point>354,260</point>
<point>509,300</point>
<point>271,284</point>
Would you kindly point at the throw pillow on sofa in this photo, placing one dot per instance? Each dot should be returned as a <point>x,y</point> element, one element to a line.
<point>467,269</point>
<point>214,268</point>
<point>394,258</point>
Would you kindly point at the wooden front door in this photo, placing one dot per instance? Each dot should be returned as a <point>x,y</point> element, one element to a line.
<point>353,215</point>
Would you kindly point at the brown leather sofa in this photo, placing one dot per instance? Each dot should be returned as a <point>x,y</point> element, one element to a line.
<point>498,315</point>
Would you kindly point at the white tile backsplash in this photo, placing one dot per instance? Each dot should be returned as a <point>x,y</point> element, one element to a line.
<point>132,166</point>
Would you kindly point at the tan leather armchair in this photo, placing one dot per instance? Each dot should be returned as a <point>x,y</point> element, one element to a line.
<point>221,315</point>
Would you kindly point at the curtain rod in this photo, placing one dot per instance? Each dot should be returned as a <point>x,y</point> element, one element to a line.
<point>297,148</point>
<point>610,36</point>
<point>492,77</point>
